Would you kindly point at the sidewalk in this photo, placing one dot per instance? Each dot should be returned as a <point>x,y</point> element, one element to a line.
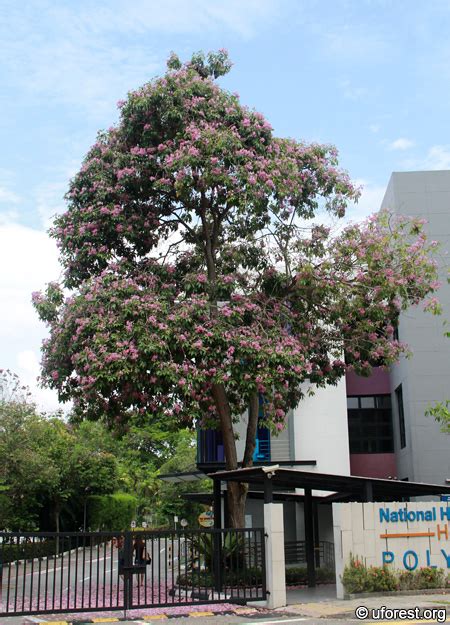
<point>340,608</point>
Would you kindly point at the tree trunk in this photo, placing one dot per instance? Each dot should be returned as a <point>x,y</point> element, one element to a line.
<point>237,491</point>
<point>237,496</point>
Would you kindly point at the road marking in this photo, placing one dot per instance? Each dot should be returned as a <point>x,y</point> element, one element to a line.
<point>403,622</point>
<point>198,614</point>
<point>105,619</point>
<point>294,620</point>
<point>154,617</point>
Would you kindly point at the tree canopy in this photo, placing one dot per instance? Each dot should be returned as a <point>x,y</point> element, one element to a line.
<point>43,466</point>
<point>200,276</point>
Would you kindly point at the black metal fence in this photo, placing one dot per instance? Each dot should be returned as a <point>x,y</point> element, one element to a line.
<point>102,571</point>
<point>295,553</point>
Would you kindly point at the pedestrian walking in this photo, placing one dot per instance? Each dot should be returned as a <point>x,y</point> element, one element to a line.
<point>141,557</point>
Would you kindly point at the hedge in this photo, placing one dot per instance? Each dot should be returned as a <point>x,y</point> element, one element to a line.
<point>111,512</point>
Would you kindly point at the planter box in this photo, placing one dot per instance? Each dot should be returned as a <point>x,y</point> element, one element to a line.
<point>398,593</point>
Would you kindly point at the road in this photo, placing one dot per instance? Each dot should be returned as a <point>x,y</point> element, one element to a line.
<point>89,577</point>
<point>276,619</point>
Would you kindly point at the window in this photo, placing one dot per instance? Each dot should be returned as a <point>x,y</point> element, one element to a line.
<point>401,415</point>
<point>262,443</point>
<point>370,424</point>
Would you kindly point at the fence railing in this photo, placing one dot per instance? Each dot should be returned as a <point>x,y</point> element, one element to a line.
<point>295,553</point>
<point>75,571</point>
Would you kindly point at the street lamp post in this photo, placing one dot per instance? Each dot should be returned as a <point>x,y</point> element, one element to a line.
<point>86,491</point>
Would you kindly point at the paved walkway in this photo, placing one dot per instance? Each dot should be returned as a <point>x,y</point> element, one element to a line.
<point>321,592</point>
<point>317,603</point>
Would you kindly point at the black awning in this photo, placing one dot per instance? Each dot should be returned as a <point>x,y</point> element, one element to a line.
<point>190,476</point>
<point>350,487</point>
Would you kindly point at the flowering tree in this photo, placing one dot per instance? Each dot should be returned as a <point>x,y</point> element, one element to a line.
<point>199,279</point>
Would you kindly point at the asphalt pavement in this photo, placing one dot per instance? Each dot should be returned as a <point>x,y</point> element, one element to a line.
<point>88,577</point>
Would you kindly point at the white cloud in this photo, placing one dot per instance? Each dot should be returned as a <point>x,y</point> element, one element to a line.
<point>28,369</point>
<point>49,199</point>
<point>8,197</point>
<point>89,54</point>
<point>438,157</point>
<point>349,43</point>
<point>29,260</point>
<point>369,202</point>
<point>401,144</point>
<point>352,92</point>
<point>172,16</point>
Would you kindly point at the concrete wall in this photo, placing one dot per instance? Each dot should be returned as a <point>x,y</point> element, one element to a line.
<point>321,432</point>
<point>425,377</point>
<point>402,543</point>
<point>374,465</point>
<point>378,383</point>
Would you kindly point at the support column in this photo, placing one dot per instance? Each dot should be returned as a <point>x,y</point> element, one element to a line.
<point>275,565</point>
<point>368,492</point>
<point>217,501</point>
<point>217,538</point>
<point>268,490</point>
<point>309,539</point>
<point>316,534</point>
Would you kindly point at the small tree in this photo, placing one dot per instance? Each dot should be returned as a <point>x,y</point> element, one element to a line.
<point>201,280</point>
<point>22,467</point>
<point>44,461</point>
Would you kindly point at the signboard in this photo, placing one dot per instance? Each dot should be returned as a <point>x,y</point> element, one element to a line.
<point>405,536</point>
<point>445,498</point>
<point>206,519</point>
<point>133,524</point>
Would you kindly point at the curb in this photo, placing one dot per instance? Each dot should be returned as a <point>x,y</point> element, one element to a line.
<point>397,593</point>
<point>154,617</point>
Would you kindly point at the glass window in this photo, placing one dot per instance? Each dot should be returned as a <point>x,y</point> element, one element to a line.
<point>352,402</point>
<point>401,415</point>
<point>370,424</point>
<point>383,401</point>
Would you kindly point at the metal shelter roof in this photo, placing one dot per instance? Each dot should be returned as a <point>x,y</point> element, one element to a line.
<point>342,486</point>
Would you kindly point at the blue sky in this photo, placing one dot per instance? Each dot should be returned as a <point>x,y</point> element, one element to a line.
<point>371,77</point>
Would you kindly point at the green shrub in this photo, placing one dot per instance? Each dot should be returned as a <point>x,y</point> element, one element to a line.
<point>354,577</point>
<point>299,575</point>
<point>431,578</point>
<point>205,579</point>
<point>111,512</point>
<point>325,575</point>
<point>359,578</point>
<point>380,579</point>
<point>407,580</point>
<point>11,550</point>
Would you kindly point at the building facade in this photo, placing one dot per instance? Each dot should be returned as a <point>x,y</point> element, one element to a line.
<point>376,426</point>
<point>421,452</point>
